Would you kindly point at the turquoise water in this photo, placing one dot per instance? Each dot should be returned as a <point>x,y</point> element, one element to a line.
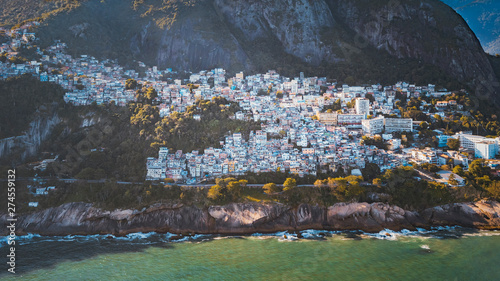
<point>440,255</point>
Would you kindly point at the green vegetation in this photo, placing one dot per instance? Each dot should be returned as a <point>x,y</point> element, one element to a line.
<point>494,190</point>
<point>376,141</point>
<point>163,13</point>
<point>23,98</point>
<point>453,144</point>
<point>343,189</point>
<point>18,12</point>
<point>131,84</point>
<point>182,131</point>
<point>111,147</point>
<point>226,190</point>
<point>117,146</point>
<point>270,188</point>
<point>334,107</point>
<point>410,192</point>
<point>146,95</point>
<point>480,118</point>
<point>400,186</point>
<point>111,196</point>
<point>289,184</point>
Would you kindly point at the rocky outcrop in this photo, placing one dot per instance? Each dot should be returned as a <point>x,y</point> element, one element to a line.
<point>294,23</point>
<point>247,218</point>
<point>483,215</point>
<point>28,144</point>
<point>258,35</point>
<point>429,31</point>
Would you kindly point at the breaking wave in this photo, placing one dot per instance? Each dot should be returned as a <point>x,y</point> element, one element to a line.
<point>283,236</point>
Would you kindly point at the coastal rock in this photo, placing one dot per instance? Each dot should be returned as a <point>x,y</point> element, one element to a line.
<point>247,218</point>
<point>483,214</point>
<point>372,217</point>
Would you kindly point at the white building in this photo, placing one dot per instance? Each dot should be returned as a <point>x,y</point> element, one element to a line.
<point>237,139</point>
<point>328,118</point>
<point>156,169</point>
<point>373,126</point>
<point>398,125</point>
<point>352,121</point>
<point>261,137</point>
<point>363,106</point>
<point>485,150</point>
<point>483,147</point>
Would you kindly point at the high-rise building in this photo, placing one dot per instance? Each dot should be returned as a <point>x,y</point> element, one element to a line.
<point>363,106</point>
<point>485,150</point>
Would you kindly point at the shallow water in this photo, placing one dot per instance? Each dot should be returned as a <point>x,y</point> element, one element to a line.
<point>445,254</point>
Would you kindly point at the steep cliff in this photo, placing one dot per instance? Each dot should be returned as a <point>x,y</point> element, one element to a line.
<point>247,218</point>
<point>482,17</point>
<point>379,41</point>
<point>29,142</point>
<point>425,30</point>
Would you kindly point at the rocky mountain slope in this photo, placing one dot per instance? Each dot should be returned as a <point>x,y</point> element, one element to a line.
<point>423,41</point>
<point>484,19</point>
<point>247,218</point>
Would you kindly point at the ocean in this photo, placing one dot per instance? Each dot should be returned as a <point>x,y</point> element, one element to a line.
<point>439,254</point>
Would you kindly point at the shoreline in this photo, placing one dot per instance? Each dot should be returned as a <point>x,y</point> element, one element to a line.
<point>238,219</point>
<point>309,234</point>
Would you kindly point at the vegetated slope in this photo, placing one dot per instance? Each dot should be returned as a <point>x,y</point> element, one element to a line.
<point>353,41</point>
<point>109,141</point>
<point>23,99</point>
<point>17,11</point>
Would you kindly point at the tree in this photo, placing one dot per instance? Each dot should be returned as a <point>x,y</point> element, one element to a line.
<point>319,183</point>
<point>3,57</point>
<point>370,171</point>
<point>262,92</point>
<point>146,95</point>
<point>370,97</point>
<point>270,188</point>
<point>279,94</point>
<point>477,168</point>
<point>234,188</point>
<point>131,84</point>
<point>452,180</point>
<point>445,167</point>
<point>494,189</point>
<point>215,192</point>
<point>458,170</point>
<point>354,191</point>
<point>377,182</point>
<point>289,184</point>
<point>453,144</point>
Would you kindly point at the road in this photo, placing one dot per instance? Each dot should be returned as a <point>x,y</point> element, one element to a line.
<point>139,183</point>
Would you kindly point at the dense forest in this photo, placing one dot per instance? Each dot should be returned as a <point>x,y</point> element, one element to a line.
<point>22,99</point>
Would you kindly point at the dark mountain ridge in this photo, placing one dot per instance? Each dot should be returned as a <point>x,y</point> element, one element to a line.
<point>355,41</point>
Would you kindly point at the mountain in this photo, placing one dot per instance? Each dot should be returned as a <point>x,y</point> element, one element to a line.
<point>483,17</point>
<point>355,41</point>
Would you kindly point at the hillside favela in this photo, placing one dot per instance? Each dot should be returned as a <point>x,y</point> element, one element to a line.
<point>261,140</point>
